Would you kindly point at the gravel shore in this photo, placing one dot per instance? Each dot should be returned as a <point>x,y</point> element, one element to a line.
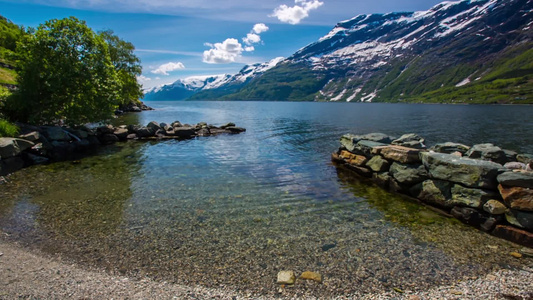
<point>31,275</point>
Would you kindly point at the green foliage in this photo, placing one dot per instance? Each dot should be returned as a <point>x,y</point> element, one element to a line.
<point>10,34</point>
<point>65,73</point>
<point>7,129</point>
<point>127,66</point>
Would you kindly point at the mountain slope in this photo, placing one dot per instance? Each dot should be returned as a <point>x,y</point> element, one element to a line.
<point>209,87</point>
<point>463,51</point>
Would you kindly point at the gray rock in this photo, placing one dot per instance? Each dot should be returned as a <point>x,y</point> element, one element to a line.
<point>475,218</point>
<point>519,218</point>
<point>521,179</point>
<point>154,126</point>
<point>10,165</point>
<point>165,126</point>
<point>234,129</point>
<point>494,207</point>
<point>10,147</point>
<point>468,172</point>
<point>106,129</point>
<point>471,197</point>
<point>524,158</point>
<point>144,132</point>
<point>121,133</point>
<point>378,164</point>
<point>382,179</point>
<point>131,136</point>
<point>514,165</point>
<point>433,191</point>
<point>366,147</point>
<point>408,174</point>
<point>487,152</point>
<point>227,125</point>
<point>510,155</point>
<point>108,139</point>
<point>36,159</point>
<point>410,140</point>
<point>349,141</point>
<point>82,134</point>
<point>450,148</point>
<point>56,134</point>
<point>176,124</point>
<point>184,132</point>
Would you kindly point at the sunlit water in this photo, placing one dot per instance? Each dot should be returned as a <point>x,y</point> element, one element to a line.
<point>233,210</point>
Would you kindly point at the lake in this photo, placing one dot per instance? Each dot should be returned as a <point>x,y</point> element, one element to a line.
<point>234,210</point>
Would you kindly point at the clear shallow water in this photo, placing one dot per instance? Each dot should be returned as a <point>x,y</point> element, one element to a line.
<point>234,210</point>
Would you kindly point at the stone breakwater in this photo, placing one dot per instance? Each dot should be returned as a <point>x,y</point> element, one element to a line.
<point>482,185</point>
<point>42,144</point>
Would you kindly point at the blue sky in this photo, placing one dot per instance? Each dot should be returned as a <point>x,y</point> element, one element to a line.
<point>181,38</point>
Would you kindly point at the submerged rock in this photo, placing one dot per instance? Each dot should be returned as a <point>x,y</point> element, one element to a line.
<point>286,277</point>
<point>308,275</point>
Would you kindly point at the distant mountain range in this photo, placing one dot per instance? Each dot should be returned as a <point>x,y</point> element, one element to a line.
<point>474,51</point>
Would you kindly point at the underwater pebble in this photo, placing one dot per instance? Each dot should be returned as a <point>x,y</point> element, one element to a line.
<point>311,276</point>
<point>286,277</point>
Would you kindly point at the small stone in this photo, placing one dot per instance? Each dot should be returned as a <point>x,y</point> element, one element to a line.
<point>286,277</point>
<point>326,247</point>
<point>308,275</point>
<point>494,207</point>
<point>516,254</point>
<point>414,297</point>
<point>491,277</point>
<point>454,292</point>
<point>398,290</point>
<point>526,251</point>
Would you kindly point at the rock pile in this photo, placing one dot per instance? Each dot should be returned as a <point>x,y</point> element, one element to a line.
<point>40,144</point>
<point>483,185</point>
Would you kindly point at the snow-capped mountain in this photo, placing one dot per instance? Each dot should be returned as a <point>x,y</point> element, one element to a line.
<point>185,88</point>
<point>455,51</point>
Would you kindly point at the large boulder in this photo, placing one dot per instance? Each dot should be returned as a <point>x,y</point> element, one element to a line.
<point>513,234</point>
<point>524,158</point>
<point>154,126</point>
<point>463,196</point>
<point>144,132</point>
<point>349,141</point>
<point>401,154</point>
<point>10,147</point>
<point>121,133</point>
<point>408,174</point>
<point>450,148</point>
<point>378,164</point>
<point>487,152</point>
<point>468,172</point>
<point>410,140</point>
<point>184,132</point>
<point>519,218</point>
<point>54,133</point>
<point>10,165</point>
<point>517,197</point>
<point>521,179</point>
<point>436,192</point>
<point>353,159</point>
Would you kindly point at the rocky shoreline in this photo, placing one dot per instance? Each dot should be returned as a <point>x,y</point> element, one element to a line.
<point>43,144</point>
<point>484,186</point>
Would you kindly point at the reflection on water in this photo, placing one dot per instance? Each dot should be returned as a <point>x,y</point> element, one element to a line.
<point>236,209</point>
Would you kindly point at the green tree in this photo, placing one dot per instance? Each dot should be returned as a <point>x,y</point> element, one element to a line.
<point>65,73</point>
<point>127,66</point>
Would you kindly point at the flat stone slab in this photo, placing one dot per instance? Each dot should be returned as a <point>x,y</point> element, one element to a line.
<point>514,234</point>
<point>353,159</point>
<point>468,172</point>
<point>366,147</point>
<point>450,148</point>
<point>401,154</point>
<point>471,197</point>
<point>521,179</point>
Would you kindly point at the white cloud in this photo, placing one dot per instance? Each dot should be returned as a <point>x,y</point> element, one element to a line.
<point>223,53</point>
<point>260,28</point>
<point>249,48</point>
<point>251,38</point>
<point>142,79</point>
<point>294,14</point>
<point>168,67</point>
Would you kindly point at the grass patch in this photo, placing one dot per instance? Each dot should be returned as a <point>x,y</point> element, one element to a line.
<point>8,76</point>
<point>8,129</point>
